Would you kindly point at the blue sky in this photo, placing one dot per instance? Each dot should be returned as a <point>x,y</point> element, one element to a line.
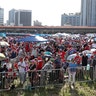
<point>46,11</point>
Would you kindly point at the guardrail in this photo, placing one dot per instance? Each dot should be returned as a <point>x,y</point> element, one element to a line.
<point>43,78</point>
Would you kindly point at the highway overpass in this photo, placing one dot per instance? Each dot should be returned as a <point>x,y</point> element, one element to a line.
<point>48,29</point>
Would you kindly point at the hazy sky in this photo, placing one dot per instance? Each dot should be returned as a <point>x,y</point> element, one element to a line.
<point>46,11</point>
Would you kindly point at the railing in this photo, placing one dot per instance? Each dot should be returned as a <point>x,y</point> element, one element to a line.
<point>43,78</point>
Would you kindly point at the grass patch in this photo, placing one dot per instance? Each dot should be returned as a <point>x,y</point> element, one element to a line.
<point>81,89</point>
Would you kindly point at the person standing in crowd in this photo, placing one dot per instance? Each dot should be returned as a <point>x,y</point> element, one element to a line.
<point>9,67</point>
<point>92,68</point>
<point>34,51</point>
<point>84,60</point>
<point>62,54</point>
<point>8,64</point>
<point>0,76</point>
<point>13,54</point>
<point>26,60</point>
<point>21,68</point>
<point>72,72</point>
<point>39,63</point>
<point>4,75</point>
<point>94,65</point>
<point>32,71</point>
<point>94,59</point>
<point>57,62</point>
<point>20,52</point>
<point>46,69</point>
<point>77,59</point>
<point>27,48</point>
<point>84,63</point>
<point>57,66</point>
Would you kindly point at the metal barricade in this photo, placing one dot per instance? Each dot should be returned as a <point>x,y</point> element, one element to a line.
<point>41,78</point>
<point>6,79</point>
<point>84,74</point>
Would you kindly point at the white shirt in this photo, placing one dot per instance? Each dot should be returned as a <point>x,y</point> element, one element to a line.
<point>34,52</point>
<point>21,66</point>
<point>20,52</point>
<point>9,65</point>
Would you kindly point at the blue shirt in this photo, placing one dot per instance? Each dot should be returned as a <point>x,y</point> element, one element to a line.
<point>72,67</point>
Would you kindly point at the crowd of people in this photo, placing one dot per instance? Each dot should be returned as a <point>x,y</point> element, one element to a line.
<point>30,57</point>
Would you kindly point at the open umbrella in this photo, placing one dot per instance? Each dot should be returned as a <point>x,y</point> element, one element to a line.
<point>93,50</point>
<point>2,56</point>
<point>70,57</point>
<point>47,53</point>
<point>4,43</point>
<point>87,52</point>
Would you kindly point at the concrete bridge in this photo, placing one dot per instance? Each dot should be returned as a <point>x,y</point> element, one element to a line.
<point>48,29</point>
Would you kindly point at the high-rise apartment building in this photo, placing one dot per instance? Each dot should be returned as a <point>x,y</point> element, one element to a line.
<point>71,19</point>
<point>1,16</point>
<point>88,12</point>
<point>11,20</point>
<point>23,18</point>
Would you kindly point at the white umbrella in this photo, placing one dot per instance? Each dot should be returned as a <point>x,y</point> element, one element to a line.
<point>70,57</point>
<point>87,52</point>
<point>93,50</point>
<point>2,56</point>
<point>4,43</point>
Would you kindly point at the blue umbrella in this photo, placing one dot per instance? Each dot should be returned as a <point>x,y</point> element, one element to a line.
<point>32,39</point>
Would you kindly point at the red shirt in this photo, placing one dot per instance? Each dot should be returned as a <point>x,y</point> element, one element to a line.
<point>16,65</point>
<point>77,59</point>
<point>62,55</point>
<point>27,49</point>
<point>40,63</point>
<point>87,48</point>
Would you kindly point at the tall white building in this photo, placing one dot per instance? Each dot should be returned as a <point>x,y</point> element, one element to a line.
<point>88,12</point>
<point>1,16</point>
